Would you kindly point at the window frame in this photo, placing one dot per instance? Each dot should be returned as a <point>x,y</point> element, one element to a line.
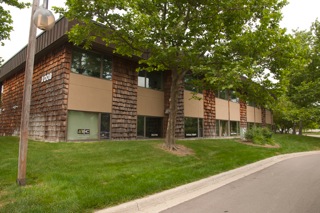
<point>102,59</point>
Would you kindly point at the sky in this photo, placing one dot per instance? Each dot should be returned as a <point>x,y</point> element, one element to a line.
<point>298,14</point>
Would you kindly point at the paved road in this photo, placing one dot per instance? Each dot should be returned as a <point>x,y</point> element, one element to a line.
<point>291,186</point>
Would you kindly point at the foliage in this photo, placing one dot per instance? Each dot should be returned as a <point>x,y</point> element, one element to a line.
<point>259,135</point>
<point>81,177</point>
<point>299,107</point>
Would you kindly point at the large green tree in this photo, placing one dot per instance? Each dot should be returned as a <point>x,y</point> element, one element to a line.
<point>304,78</point>
<point>221,41</point>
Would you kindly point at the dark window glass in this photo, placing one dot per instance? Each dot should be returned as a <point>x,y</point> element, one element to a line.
<point>153,127</point>
<point>140,128</point>
<point>107,69</point>
<point>193,127</point>
<point>200,127</point>
<point>149,127</point>
<point>91,64</point>
<point>234,128</point>
<point>233,97</point>
<point>217,128</point>
<point>152,80</point>
<point>222,128</point>
<point>222,94</point>
<point>105,126</point>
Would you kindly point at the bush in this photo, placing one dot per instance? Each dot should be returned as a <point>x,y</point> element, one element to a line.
<point>258,135</point>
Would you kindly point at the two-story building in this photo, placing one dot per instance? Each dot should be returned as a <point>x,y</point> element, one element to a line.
<point>93,95</point>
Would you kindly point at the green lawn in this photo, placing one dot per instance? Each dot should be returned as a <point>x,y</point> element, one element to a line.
<point>82,177</point>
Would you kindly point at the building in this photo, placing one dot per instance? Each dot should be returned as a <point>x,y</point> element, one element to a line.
<point>94,95</point>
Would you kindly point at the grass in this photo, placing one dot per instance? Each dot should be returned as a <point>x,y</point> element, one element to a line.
<point>82,177</point>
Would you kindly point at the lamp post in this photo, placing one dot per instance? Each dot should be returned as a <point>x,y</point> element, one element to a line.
<point>43,19</point>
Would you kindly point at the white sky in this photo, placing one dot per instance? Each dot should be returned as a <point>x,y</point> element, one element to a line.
<point>298,14</point>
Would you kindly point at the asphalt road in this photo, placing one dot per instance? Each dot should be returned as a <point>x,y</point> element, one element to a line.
<point>291,186</point>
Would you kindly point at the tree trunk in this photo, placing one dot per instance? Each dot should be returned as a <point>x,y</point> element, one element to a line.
<point>294,129</point>
<point>300,127</point>
<point>173,107</point>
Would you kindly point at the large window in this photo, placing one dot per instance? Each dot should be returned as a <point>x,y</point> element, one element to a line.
<point>91,64</point>
<point>222,128</point>
<point>193,127</point>
<point>152,80</point>
<point>88,125</point>
<point>234,128</point>
<point>105,126</point>
<point>222,94</point>
<point>149,127</point>
<point>83,125</point>
<point>227,95</point>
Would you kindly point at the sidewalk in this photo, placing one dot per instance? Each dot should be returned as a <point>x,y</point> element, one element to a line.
<point>166,199</point>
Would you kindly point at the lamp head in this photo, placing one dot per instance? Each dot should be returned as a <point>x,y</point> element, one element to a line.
<point>43,19</point>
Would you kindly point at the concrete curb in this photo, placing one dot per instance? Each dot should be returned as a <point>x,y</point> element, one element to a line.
<point>169,198</point>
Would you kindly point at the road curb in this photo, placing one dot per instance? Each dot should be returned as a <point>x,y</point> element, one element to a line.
<point>169,198</point>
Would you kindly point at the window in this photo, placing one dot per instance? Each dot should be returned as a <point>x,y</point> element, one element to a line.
<point>149,127</point>
<point>105,126</point>
<point>193,83</point>
<point>226,94</point>
<point>234,128</point>
<point>88,125</point>
<point>152,80</point>
<point>222,94</point>
<point>222,128</point>
<point>193,127</point>
<point>83,125</point>
<point>91,64</point>
<point>233,97</point>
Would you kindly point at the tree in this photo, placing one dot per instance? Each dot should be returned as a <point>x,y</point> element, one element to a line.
<point>304,77</point>
<point>221,41</point>
<point>6,19</point>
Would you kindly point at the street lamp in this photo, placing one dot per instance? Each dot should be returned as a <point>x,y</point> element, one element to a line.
<point>43,19</point>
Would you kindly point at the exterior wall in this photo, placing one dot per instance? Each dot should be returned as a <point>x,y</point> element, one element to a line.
<point>192,107</point>
<point>243,114</point>
<point>250,114</point>
<point>89,94</point>
<point>269,117</point>
<point>254,115</point>
<point>209,114</point>
<point>48,110</point>
<point>263,117</point>
<point>150,102</point>
<point>124,103</point>
<point>48,119</point>
<point>234,111</point>
<point>222,112</point>
<point>258,115</point>
<point>10,114</point>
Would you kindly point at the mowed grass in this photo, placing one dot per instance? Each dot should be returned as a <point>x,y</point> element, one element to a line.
<point>83,177</point>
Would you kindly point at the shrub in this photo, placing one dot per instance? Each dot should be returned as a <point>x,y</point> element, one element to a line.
<point>259,135</point>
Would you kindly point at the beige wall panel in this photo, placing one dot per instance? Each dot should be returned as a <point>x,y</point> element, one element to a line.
<point>89,94</point>
<point>192,107</point>
<point>250,114</point>
<point>150,102</point>
<point>234,111</point>
<point>258,116</point>
<point>222,109</point>
<point>268,117</point>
